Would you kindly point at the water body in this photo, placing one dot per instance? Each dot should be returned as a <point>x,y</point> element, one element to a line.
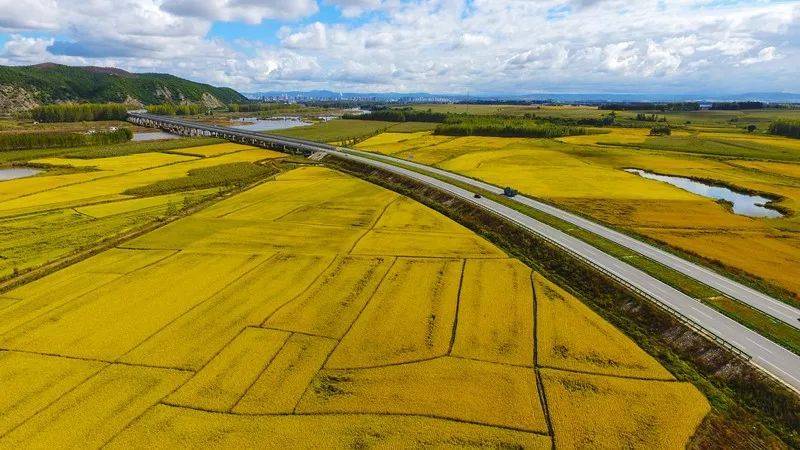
<point>743,204</point>
<point>280,123</point>
<point>17,172</point>
<point>153,136</point>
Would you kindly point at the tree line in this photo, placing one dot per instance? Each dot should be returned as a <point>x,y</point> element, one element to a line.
<point>788,128</point>
<point>400,115</point>
<point>504,127</point>
<point>649,106</point>
<point>735,106</point>
<point>83,112</point>
<point>169,109</point>
<point>61,139</point>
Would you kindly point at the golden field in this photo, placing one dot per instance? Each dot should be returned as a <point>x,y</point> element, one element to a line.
<point>585,174</point>
<point>378,322</point>
<point>84,201</point>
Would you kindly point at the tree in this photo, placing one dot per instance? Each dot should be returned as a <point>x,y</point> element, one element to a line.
<point>751,128</point>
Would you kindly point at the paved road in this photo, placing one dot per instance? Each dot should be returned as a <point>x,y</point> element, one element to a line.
<point>758,300</point>
<point>779,362</point>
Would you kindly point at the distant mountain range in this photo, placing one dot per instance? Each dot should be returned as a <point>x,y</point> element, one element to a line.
<point>23,87</point>
<point>770,97</point>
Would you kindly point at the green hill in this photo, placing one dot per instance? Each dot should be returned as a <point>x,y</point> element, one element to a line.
<point>26,86</point>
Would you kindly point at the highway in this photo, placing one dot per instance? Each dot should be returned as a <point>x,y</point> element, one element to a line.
<point>769,356</point>
<point>758,300</point>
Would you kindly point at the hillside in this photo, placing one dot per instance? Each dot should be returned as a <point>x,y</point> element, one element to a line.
<point>26,86</point>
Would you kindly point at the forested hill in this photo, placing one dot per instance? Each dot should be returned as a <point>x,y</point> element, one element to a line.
<point>27,86</point>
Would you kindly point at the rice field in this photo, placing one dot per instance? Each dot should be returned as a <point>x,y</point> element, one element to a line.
<point>376,322</point>
<point>586,174</point>
<point>64,211</point>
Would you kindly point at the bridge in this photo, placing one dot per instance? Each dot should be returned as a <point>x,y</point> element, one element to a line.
<point>764,354</point>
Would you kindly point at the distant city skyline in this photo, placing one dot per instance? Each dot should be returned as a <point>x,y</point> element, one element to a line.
<point>480,47</point>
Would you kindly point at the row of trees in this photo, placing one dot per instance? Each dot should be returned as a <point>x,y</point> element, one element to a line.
<point>649,106</point>
<point>61,139</point>
<point>490,126</point>
<point>788,128</point>
<point>606,120</point>
<point>642,117</point>
<point>735,106</point>
<point>83,112</point>
<point>401,115</point>
<point>169,109</point>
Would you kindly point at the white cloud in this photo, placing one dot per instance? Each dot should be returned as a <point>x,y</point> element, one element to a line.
<point>247,11</point>
<point>764,55</point>
<point>313,36</point>
<point>433,45</point>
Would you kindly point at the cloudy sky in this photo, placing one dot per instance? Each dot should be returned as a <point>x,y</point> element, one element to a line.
<point>443,46</point>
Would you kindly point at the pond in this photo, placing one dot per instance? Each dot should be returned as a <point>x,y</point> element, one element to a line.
<point>280,123</point>
<point>17,172</point>
<point>743,204</point>
<point>153,136</point>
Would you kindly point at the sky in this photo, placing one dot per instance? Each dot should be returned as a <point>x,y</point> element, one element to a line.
<point>437,46</point>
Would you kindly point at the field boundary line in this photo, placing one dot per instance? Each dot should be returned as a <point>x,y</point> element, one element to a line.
<point>374,223</point>
<point>67,392</point>
<point>261,372</point>
<point>608,375</point>
<point>197,305</point>
<point>350,327</point>
<point>303,291</point>
<point>545,406</point>
<point>458,306</point>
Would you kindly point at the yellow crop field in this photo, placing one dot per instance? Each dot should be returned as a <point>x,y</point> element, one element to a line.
<point>592,411</point>
<point>178,427</point>
<point>495,312</point>
<point>461,392</point>
<point>60,212</point>
<point>409,216</point>
<point>312,310</point>
<point>586,174</point>
<point>430,289</point>
<point>573,337</point>
<point>109,321</point>
<point>213,387</point>
<point>219,149</point>
<point>332,304</point>
<point>31,382</point>
<point>97,409</point>
<point>280,386</point>
<point>193,339</point>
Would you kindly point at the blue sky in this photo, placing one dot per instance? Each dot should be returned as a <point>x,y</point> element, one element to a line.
<point>448,46</point>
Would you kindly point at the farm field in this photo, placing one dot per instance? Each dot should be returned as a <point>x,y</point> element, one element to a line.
<point>319,301</point>
<point>77,203</point>
<point>585,174</point>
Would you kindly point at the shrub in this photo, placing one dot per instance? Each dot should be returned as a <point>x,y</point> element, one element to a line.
<point>661,130</point>
<point>61,139</point>
<point>507,127</point>
<point>788,128</point>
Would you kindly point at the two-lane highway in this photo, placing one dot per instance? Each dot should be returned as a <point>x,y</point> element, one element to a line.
<point>771,357</point>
